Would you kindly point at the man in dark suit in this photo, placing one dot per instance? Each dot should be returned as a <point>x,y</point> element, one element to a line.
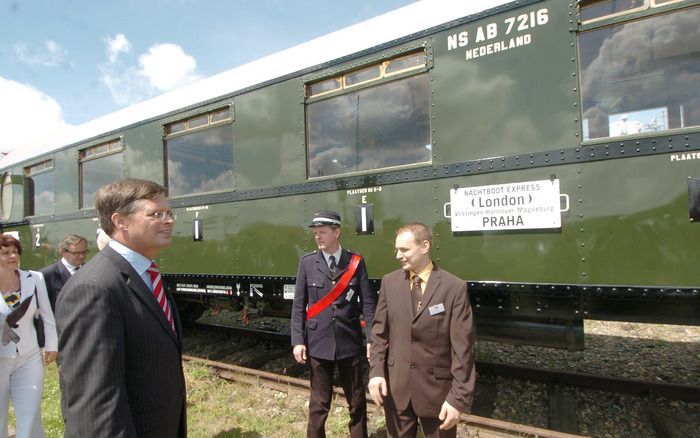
<point>328,332</point>
<point>422,361</point>
<point>73,250</point>
<point>119,334</point>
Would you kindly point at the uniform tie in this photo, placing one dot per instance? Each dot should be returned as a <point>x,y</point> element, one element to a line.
<point>333,266</point>
<point>416,294</point>
<point>159,293</point>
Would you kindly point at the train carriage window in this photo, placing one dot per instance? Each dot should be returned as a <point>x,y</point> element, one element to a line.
<point>174,128</point>
<point>199,153</point>
<point>375,127</point>
<point>6,195</point>
<point>220,115</point>
<point>99,165</point>
<point>595,9</point>
<point>196,122</point>
<point>362,76</point>
<point>323,87</point>
<point>407,63</point>
<point>39,189</point>
<point>641,76</point>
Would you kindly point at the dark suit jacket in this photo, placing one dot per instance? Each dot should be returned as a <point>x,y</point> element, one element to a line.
<point>427,358</point>
<point>335,333</point>
<point>55,276</point>
<point>121,363</point>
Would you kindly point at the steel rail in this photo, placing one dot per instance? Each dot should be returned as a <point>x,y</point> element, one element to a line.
<point>259,334</point>
<point>671,391</point>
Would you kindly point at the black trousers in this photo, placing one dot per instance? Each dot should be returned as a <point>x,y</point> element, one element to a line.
<point>404,424</point>
<point>321,374</point>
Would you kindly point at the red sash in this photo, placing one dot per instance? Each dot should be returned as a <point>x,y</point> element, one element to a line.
<point>340,286</point>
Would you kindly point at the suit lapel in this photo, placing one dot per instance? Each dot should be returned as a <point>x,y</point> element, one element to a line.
<point>138,287</point>
<point>322,265</point>
<point>342,263</point>
<point>26,284</point>
<point>405,295</point>
<point>63,272</point>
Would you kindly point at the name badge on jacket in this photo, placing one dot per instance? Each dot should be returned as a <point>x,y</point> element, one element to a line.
<point>351,293</point>
<point>438,308</point>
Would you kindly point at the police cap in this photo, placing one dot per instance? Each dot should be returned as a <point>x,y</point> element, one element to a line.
<point>325,217</point>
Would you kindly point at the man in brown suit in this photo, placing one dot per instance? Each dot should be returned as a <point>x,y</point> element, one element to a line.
<point>422,357</point>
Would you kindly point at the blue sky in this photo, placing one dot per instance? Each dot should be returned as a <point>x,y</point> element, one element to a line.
<point>63,63</point>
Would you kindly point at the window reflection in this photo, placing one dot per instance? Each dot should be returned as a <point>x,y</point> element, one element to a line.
<point>40,189</point>
<point>641,76</point>
<point>97,173</point>
<point>200,161</point>
<point>362,76</point>
<point>6,195</point>
<point>383,126</point>
<point>597,9</point>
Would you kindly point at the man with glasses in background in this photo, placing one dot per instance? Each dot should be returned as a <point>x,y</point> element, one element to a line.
<point>73,251</point>
<point>119,334</point>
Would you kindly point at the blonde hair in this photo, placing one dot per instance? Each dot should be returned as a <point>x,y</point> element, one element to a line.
<point>419,230</point>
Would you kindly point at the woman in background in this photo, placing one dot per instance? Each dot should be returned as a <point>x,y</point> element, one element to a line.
<point>21,367</point>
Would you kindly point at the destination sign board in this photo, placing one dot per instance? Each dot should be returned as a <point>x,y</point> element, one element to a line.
<point>516,206</point>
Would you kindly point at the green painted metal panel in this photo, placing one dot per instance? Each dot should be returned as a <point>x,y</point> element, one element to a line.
<point>143,152</point>
<point>269,145</point>
<point>40,241</point>
<point>635,226</point>
<point>518,100</point>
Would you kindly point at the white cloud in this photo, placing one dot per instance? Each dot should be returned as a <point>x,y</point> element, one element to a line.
<point>29,117</point>
<point>124,84</point>
<point>167,66</point>
<point>132,79</point>
<point>51,55</point>
<point>117,45</point>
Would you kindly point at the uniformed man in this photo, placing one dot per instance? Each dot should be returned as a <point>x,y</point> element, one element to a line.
<point>332,290</point>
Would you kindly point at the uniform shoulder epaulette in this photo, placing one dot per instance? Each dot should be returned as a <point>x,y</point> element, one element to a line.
<point>352,253</point>
<point>309,254</point>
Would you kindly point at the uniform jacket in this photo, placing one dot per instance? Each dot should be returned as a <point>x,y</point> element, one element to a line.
<point>121,363</point>
<point>55,276</point>
<point>31,282</point>
<point>428,358</point>
<point>335,333</point>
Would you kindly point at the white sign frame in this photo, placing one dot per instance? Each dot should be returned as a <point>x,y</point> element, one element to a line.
<point>528,205</point>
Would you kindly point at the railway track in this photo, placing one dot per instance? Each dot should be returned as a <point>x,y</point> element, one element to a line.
<point>477,426</point>
<point>569,402</point>
<point>671,391</point>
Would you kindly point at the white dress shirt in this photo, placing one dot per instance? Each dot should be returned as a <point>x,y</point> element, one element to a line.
<point>135,259</point>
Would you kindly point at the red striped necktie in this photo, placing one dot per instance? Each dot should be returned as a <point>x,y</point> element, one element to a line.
<point>159,293</point>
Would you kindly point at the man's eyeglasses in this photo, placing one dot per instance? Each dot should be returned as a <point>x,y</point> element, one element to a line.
<point>77,252</point>
<point>162,216</point>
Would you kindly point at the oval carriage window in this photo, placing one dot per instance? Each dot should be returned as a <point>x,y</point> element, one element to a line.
<point>6,196</point>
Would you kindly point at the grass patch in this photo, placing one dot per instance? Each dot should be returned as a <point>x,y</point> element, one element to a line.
<point>220,409</point>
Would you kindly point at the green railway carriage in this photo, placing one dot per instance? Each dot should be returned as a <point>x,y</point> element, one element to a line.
<point>552,145</point>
